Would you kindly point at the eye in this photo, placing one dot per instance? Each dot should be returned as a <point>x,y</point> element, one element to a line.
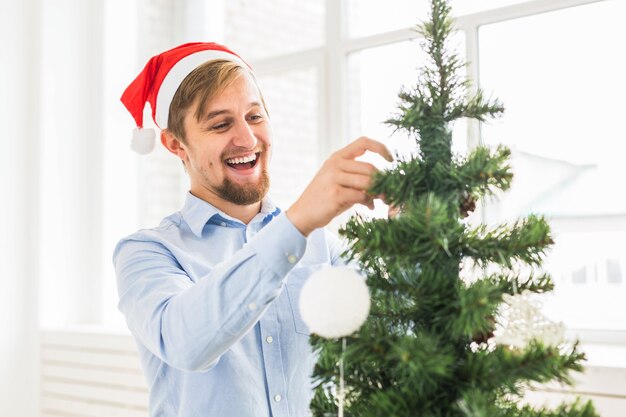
<point>256,117</point>
<point>220,126</point>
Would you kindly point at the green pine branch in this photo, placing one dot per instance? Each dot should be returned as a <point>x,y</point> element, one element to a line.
<point>404,184</point>
<point>477,403</point>
<point>476,107</point>
<point>514,284</point>
<point>421,234</point>
<point>510,371</point>
<point>477,306</point>
<point>485,171</point>
<point>577,409</point>
<point>444,64</point>
<point>478,302</point>
<point>411,366</point>
<point>525,241</point>
<point>443,94</point>
<point>411,300</point>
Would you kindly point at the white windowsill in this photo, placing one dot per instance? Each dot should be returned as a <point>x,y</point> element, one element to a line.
<point>605,355</point>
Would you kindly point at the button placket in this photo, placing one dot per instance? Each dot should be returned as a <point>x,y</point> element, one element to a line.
<point>272,359</point>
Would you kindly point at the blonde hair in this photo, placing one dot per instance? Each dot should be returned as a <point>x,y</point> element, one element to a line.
<point>203,84</point>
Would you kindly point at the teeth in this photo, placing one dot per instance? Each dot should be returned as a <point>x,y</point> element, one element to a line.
<point>243,160</point>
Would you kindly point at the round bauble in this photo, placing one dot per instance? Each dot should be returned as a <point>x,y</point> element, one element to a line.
<point>334,302</point>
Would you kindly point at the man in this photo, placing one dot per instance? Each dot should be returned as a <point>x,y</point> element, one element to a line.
<point>211,295</point>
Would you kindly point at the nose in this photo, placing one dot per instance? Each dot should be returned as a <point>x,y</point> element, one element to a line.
<point>244,136</point>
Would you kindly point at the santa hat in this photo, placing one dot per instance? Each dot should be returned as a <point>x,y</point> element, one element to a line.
<point>158,82</point>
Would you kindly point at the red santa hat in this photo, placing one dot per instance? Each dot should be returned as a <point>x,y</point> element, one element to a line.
<point>158,82</point>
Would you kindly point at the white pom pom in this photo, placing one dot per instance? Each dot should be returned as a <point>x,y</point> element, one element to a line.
<point>334,302</point>
<point>143,140</point>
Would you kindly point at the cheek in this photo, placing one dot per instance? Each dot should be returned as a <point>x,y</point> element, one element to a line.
<point>206,160</point>
<point>267,145</point>
<point>270,153</point>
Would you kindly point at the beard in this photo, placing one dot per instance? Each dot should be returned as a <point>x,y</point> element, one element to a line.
<point>244,195</point>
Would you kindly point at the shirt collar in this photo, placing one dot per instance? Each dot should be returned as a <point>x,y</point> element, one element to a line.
<point>197,212</point>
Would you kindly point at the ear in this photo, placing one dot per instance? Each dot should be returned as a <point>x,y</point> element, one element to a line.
<point>173,144</point>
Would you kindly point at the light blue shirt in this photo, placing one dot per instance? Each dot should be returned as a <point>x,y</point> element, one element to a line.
<point>213,306</point>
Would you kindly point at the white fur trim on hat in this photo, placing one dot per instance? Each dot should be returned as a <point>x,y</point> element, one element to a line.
<point>177,74</point>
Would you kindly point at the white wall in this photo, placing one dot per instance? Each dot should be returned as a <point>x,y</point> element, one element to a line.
<point>71,180</point>
<point>19,217</point>
<point>51,98</point>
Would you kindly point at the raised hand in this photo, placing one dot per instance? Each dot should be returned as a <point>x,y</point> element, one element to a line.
<point>339,184</point>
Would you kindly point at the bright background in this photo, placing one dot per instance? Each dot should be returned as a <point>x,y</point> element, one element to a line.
<point>330,71</point>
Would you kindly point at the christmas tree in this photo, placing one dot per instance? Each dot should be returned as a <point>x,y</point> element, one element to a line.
<point>438,342</point>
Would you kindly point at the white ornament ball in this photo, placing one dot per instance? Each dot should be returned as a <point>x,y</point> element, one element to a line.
<point>334,302</point>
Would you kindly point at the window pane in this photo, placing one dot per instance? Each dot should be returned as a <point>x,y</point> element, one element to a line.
<point>463,7</point>
<point>369,17</point>
<point>564,90</point>
<point>292,100</point>
<point>273,27</point>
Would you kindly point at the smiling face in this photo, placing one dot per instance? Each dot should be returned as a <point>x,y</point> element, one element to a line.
<point>227,148</point>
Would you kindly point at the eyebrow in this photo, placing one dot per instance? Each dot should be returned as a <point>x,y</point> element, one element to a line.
<point>216,113</point>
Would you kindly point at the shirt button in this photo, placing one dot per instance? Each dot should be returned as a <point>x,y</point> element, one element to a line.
<point>277,398</point>
<point>269,339</point>
<point>252,306</point>
<point>292,259</point>
<point>223,224</point>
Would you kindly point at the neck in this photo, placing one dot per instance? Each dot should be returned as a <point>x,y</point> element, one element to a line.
<point>244,213</point>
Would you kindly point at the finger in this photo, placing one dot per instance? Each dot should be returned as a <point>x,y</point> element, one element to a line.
<point>354,181</point>
<point>358,167</point>
<point>385,200</point>
<point>351,196</point>
<point>393,211</point>
<point>363,144</point>
<point>357,197</point>
<point>369,202</point>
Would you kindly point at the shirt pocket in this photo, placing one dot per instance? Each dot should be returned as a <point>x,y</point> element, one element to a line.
<point>296,280</point>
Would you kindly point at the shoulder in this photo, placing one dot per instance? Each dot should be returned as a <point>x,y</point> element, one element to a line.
<point>170,229</point>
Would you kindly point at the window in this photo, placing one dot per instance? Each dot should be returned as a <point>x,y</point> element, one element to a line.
<point>330,71</point>
<point>563,88</point>
<point>371,17</point>
<point>566,146</point>
<point>259,30</point>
